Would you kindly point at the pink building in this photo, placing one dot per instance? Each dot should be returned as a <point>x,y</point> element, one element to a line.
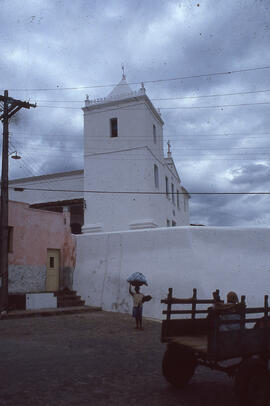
<point>41,250</point>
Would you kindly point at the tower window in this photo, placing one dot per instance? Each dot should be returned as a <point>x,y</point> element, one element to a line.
<point>173,199</point>
<point>156,176</point>
<point>177,199</point>
<point>167,186</point>
<point>114,127</point>
<point>154,134</point>
<point>173,223</point>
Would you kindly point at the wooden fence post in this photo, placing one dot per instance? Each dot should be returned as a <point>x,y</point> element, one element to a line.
<point>194,298</point>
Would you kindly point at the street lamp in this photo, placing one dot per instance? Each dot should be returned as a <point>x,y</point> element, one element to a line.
<point>16,156</point>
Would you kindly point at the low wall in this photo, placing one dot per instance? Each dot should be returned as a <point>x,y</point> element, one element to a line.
<point>40,301</point>
<point>206,258</point>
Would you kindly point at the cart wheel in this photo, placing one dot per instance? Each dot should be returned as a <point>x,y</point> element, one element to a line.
<point>252,384</point>
<point>178,366</point>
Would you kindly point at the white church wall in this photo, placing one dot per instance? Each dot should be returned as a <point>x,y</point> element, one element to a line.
<point>127,171</point>
<point>61,181</point>
<point>184,258</point>
<point>174,211</point>
<point>123,171</point>
<point>133,120</point>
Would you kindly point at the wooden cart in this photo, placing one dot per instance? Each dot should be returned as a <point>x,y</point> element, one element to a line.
<point>197,338</point>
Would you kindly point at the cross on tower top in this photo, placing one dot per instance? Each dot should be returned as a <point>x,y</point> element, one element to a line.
<point>123,71</point>
<point>169,152</point>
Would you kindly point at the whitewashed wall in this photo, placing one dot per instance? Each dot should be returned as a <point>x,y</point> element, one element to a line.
<point>184,258</point>
<point>128,171</point>
<point>40,301</point>
<point>126,163</point>
<point>135,122</point>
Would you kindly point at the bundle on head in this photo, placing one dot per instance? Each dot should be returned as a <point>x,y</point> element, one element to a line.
<point>137,279</point>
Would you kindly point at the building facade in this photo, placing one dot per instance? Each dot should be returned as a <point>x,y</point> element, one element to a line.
<point>124,159</point>
<point>58,192</point>
<point>127,182</point>
<point>42,253</point>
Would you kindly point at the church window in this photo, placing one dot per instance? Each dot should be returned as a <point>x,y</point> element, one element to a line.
<point>167,186</point>
<point>168,223</point>
<point>156,176</point>
<point>114,127</point>
<point>173,223</point>
<point>177,199</point>
<point>154,134</point>
<point>173,199</point>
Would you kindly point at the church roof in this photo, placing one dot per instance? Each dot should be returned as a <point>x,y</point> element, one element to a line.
<point>120,90</point>
<point>49,176</point>
<point>120,93</point>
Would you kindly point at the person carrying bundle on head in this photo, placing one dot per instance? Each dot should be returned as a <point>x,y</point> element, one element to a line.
<point>138,300</point>
<point>137,305</point>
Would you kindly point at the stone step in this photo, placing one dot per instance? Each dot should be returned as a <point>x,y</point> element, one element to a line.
<point>65,292</point>
<point>68,297</point>
<point>71,303</point>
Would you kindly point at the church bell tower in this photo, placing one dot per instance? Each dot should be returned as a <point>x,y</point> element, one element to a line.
<point>123,161</point>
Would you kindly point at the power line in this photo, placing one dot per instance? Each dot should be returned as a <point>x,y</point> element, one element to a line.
<point>171,136</point>
<point>169,98</point>
<point>211,107</point>
<point>61,107</point>
<point>196,158</point>
<point>141,193</point>
<point>202,148</point>
<point>168,108</point>
<point>204,158</point>
<point>183,151</point>
<point>69,147</point>
<point>182,148</point>
<point>213,95</point>
<point>147,81</point>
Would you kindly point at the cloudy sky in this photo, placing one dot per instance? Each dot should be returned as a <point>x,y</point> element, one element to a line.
<point>54,52</point>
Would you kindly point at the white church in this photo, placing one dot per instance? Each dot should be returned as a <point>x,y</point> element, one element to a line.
<point>123,205</point>
<point>127,182</point>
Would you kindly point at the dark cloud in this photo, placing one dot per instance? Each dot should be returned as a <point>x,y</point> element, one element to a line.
<point>252,176</point>
<point>46,43</point>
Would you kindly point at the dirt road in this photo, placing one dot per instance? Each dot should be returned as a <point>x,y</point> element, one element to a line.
<point>95,359</point>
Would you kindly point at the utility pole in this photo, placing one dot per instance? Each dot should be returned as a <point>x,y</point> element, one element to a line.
<point>10,107</point>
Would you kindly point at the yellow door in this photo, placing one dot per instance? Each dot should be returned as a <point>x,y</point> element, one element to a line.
<point>52,280</point>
